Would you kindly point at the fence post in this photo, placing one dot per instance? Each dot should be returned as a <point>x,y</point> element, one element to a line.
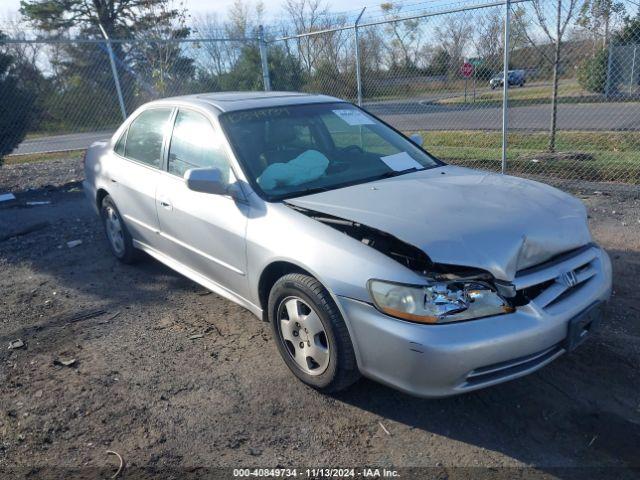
<point>505,85</point>
<point>633,70</point>
<point>607,88</point>
<point>114,71</point>
<point>358,78</point>
<point>263,58</point>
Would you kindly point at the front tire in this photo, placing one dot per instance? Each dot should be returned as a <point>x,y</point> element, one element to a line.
<point>310,333</point>
<point>118,237</point>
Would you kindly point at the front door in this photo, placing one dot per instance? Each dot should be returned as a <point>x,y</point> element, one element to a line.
<point>205,232</point>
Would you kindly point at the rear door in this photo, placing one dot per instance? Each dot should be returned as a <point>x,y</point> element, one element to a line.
<point>203,231</point>
<point>135,171</point>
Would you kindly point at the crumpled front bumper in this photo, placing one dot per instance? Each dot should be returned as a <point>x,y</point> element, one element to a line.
<point>449,359</point>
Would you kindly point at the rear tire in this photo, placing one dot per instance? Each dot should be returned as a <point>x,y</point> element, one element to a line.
<point>310,333</point>
<point>118,236</point>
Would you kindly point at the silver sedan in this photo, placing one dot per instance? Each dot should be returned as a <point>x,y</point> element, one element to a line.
<point>366,254</point>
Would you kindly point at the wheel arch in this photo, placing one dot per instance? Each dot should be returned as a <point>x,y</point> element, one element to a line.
<point>100,194</point>
<point>270,275</point>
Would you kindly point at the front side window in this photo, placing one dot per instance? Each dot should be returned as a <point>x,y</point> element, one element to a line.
<point>195,144</point>
<point>144,138</point>
<point>292,150</point>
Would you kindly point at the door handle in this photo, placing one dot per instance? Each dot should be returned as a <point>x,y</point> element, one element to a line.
<point>164,203</point>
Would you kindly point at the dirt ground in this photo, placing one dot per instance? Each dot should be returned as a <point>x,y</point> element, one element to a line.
<point>178,380</point>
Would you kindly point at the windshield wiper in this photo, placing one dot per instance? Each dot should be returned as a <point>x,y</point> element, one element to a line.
<point>395,173</point>
<point>310,191</point>
<point>392,173</point>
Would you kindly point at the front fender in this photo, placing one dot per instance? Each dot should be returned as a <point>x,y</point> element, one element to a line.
<point>341,263</point>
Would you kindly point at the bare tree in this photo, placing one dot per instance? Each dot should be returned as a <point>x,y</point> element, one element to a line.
<point>25,53</point>
<point>406,36</point>
<point>489,35</point>
<point>554,29</point>
<point>242,22</point>
<point>598,17</point>
<point>308,16</point>
<point>210,26</point>
<point>162,62</point>
<point>371,49</point>
<point>455,32</point>
<point>489,38</point>
<point>244,18</point>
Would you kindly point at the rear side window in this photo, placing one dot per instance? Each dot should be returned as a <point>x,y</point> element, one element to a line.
<point>120,145</point>
<point>195,144</point>
<point>144,138</point>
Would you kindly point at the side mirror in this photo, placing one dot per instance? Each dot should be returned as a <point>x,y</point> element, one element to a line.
<point>417,139</point>
<point>206,180</point>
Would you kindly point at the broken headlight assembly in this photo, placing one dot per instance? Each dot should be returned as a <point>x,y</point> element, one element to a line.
<point>438,302</point>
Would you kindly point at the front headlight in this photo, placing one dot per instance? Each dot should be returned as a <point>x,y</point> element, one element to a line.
<point>438,302</point>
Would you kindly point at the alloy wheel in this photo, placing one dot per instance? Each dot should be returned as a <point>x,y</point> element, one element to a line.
<point>303,334</point>
<point>115,231</point>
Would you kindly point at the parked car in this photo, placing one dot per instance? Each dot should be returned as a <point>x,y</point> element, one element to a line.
<point>515,77</point>
<point>368,255</point>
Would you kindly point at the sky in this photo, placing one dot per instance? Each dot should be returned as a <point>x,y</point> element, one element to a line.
<point>273,8</point>
<point>9,8</point>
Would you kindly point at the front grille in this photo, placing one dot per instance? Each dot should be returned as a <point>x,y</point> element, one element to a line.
<point>501,370</point>
<point>553,282</point>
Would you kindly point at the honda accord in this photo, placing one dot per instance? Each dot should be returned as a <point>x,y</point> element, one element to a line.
<point>367,254</point>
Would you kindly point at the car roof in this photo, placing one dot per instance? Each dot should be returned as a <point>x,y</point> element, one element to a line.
<point>233,101</point>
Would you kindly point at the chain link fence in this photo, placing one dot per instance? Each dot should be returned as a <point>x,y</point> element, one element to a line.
<point>571,109</point>
<point>90,86</point>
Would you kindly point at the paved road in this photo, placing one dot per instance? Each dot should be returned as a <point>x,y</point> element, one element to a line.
<point>56,143</point>
<point>417,114</point>
<point>587,116</point>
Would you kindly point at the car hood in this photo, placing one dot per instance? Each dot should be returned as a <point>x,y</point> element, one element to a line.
<point>459,216</point>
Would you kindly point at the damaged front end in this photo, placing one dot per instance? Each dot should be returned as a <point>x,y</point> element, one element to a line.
<point>407,255</point>
<point>451,293</point>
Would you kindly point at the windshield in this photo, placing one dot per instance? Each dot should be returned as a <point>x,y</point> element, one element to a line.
<point>295,150</point>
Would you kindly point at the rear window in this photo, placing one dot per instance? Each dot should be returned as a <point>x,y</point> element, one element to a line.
<point>145,135</point>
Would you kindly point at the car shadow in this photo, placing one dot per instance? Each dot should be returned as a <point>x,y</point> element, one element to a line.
<point>70,283</point>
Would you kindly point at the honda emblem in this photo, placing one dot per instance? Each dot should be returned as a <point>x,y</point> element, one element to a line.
<point>569,278</point>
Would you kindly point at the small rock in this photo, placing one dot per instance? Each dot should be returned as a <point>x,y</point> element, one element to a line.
<point>38,394</point>
<point>66,362</point>
<point>15,344</point>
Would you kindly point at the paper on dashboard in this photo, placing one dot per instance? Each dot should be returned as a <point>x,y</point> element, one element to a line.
<point>354,117</point>
<point>401,161</point>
